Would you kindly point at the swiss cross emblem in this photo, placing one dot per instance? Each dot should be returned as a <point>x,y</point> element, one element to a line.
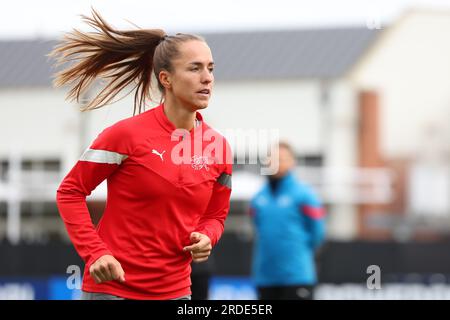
<point>199,162</point>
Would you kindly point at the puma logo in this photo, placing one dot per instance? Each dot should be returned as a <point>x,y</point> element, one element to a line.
<point>159,154</point>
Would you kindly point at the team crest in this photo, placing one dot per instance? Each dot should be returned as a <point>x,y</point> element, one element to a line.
<point>199,162</point>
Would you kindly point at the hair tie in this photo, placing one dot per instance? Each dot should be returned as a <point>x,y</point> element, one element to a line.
<point>164,37</point>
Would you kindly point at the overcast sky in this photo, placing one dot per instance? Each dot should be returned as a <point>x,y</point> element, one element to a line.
<point>50,18</point>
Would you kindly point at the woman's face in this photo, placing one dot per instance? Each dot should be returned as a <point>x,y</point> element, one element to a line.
<point>286,162</point>
<point>192,79</point>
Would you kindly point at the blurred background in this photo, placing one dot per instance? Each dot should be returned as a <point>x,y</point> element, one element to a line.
<point>361,90</point>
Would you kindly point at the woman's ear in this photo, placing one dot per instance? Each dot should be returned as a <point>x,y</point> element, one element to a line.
<point>165,79</point>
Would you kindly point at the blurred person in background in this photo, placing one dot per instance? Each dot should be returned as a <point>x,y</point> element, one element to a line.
<point>160,214</point>
<point>289,226</point>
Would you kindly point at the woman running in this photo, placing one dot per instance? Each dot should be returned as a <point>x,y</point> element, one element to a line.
<point>168,173</point>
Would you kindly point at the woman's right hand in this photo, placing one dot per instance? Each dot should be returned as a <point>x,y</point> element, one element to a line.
<point>106,268</point>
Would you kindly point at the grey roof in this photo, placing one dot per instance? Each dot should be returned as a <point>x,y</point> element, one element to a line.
<point>313,53</point>
<point>23,63</point>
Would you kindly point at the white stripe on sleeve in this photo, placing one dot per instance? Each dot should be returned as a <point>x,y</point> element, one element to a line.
<point>102,156</point>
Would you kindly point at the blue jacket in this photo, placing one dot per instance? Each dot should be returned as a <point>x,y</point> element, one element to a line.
<point>289,226</point>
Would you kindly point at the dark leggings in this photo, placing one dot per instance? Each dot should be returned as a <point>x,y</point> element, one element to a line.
<point>104,296</point>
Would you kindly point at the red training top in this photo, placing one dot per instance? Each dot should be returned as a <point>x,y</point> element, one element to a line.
<point>163,184</point>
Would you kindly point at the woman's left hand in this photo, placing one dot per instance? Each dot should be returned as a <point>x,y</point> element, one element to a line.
<point>201,247</point>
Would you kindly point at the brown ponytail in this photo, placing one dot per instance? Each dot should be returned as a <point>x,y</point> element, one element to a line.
<point>120,57</point>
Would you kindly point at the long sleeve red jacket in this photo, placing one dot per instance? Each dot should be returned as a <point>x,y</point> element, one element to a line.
<point>162,184</point>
